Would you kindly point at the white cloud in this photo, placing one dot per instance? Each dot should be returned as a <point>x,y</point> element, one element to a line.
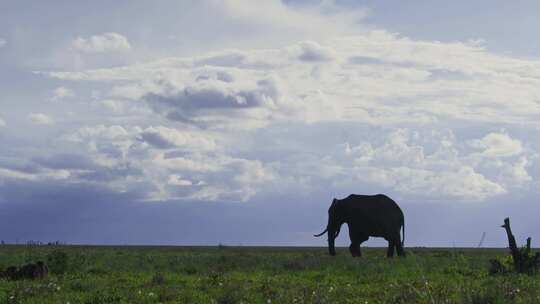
<point>320,19</point>
<point>312,52</point>
<point>101,131</point>
<point>497,145</point>
<point>402,164</point>
<point>176,180</point>
<point>206,177</point>
<point>376,77</point>
<point>43,175</point>
<point>2,123</point>
<point>164,138</point>
<point>212,103</point>
<point>61,93</point>
<point>174,164</point>
<point>465,184</point>
<point>189,127</point>
<point>3,42</point>
<point>40,119</point>
<point>106,42</point>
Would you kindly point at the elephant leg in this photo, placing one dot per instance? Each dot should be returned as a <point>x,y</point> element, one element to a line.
<point>356,240</point>
<point>359,240</point>
<point>354,247</point>
<point>355,250</point>
<point>391,245</point>
<point>400,250</point>
<point>399,247</point>
<point>395,242</point>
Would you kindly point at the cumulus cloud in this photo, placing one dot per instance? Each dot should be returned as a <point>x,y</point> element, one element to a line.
<point>12,168</point>
<point>497,145</point>
<point>64,161</point>
<point>172,164</point>
<point>233,123</point>
<point>511,173</point>
<point>164,138</point>
<point>375,79</point>
<point>176,180</point>
<point>106,42</point>
<point>319,19</point>
<point>211,103</point>
<point>402,162</point>
<point>312,51</point>
<point>61,93</point>
<point>40,119</point>
<point>207,177</point>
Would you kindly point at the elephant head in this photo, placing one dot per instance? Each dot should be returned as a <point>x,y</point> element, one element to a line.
<point>335,220</point>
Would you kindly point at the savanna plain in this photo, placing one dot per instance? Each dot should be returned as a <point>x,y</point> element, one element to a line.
<point>223,274</point>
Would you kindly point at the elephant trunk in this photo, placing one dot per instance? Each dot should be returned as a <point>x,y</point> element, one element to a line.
<point>318,235</point>
<point>333,227</point>
<point>333,231</point>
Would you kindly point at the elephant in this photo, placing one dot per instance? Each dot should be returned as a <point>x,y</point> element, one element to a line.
<point>366,215</point>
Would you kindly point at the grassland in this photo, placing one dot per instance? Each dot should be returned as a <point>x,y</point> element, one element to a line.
<point>261,275</point>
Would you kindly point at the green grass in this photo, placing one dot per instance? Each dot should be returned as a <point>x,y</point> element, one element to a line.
<point>262,275</point>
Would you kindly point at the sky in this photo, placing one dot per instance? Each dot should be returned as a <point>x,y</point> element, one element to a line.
<point>237,122</point>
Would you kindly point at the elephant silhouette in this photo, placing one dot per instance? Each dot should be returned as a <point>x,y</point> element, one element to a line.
<point>366,215</point>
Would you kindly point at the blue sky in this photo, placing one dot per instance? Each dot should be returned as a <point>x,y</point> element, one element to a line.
<point>206,122</point>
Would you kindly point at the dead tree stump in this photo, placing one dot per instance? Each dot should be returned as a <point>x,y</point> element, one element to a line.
<point>524,261</point>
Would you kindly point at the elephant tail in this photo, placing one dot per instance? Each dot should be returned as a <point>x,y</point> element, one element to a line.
<point>403,233</point>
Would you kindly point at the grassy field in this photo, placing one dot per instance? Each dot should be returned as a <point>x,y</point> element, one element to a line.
<point>262,275</point>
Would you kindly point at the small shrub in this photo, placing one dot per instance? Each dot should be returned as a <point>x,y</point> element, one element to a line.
<point>97,271</point>
<point>191,270</point>
<point>57,262</point>
<point>229,295</point>
<point>215,278</point>
<point>81,286</point>
<point>102,298</point>
<point>167,295</point>
<point>496,267</point>
<point>481,297</point>
<point>158,279</point>
<point>294,265</point>
<point>501,266</point>
<point>405,294</point>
